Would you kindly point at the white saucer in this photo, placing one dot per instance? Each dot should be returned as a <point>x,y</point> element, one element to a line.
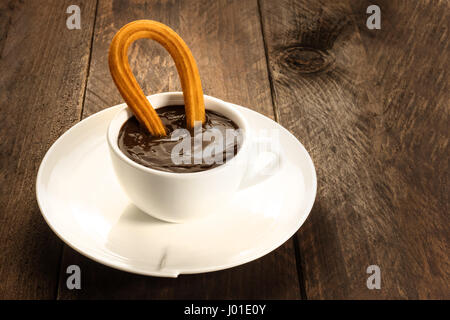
<point>83,203</point>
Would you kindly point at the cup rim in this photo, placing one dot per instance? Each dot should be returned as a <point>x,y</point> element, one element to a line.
<point>111,134</point>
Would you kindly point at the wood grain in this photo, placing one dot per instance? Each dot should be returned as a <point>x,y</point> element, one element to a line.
<point>410,62</point>
<point>43,67</point>
<point>6,12</point>
<point>372,109</point>
<point>226,41</point>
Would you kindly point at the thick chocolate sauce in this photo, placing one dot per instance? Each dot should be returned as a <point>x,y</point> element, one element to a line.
<point>157,152</point>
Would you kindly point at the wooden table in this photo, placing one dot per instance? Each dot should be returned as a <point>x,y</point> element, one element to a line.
<point>371,107</point>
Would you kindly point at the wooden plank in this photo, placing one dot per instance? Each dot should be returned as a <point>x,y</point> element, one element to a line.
<point>410,62</point>
<point>377,134</point>
<point>229,52</point>
<point>225,38</point>
<point>43,67</point>
<point>6,12</point>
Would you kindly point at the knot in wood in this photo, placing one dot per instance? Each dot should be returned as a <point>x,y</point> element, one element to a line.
<point>306,60</point>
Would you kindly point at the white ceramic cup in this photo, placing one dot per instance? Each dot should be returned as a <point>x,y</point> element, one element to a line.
<point>179,197</point>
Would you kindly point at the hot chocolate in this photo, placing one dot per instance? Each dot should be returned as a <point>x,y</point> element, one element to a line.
<point>204,147</point>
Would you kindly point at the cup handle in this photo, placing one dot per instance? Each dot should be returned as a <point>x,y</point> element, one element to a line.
<point>265,160</point>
